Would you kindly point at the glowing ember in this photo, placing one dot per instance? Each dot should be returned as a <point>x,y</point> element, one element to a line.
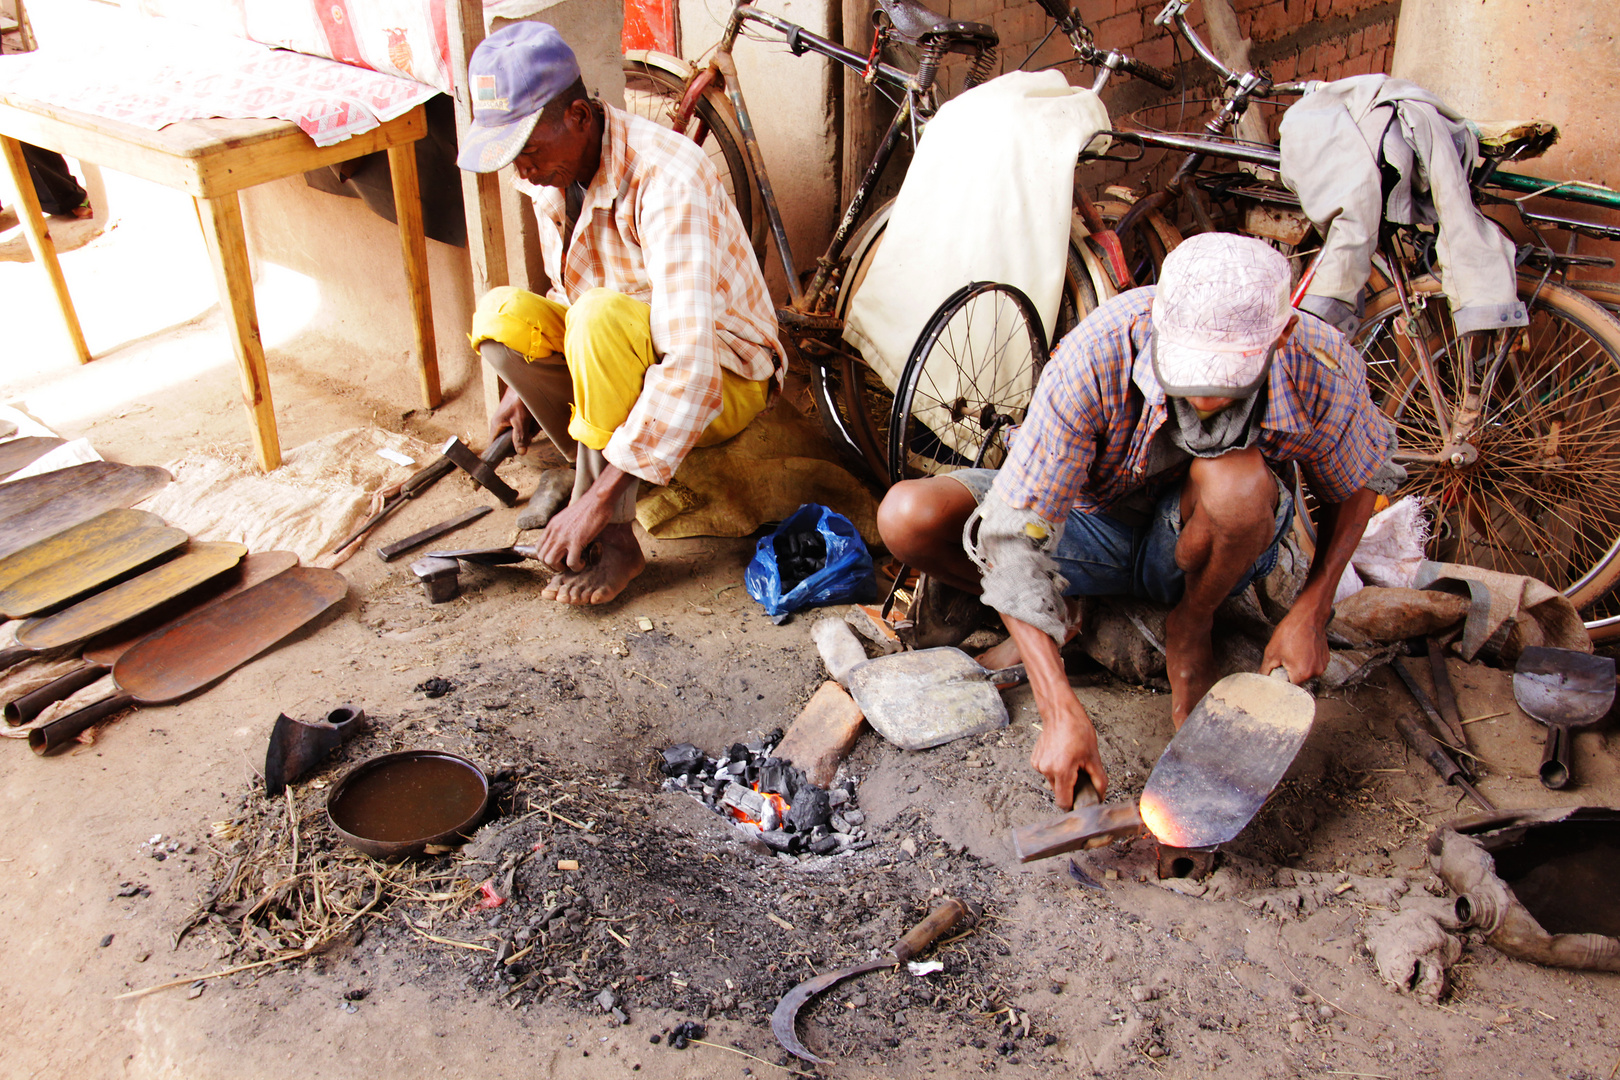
<point>1160,822</point>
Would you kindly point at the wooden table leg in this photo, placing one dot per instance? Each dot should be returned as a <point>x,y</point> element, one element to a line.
<point>40,242</point>
<point>408,212</point>
<point>227,246</point>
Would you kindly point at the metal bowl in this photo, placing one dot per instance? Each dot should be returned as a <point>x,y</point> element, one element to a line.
<point>397,804</point>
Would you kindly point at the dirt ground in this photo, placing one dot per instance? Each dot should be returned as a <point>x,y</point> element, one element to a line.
<point>1259,972</point>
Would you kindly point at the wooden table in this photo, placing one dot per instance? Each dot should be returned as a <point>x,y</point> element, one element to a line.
<point>212,160</point>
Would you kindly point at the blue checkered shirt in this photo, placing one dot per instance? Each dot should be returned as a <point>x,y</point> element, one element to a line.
<point>1084,444</point>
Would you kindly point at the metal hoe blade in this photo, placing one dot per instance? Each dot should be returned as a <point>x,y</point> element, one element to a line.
<point>1226,759</point>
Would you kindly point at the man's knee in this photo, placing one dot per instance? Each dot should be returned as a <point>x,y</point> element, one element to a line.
<point>917,514</point>
<point>1236,493</point>
<point>604,311</point>
<point>527,323</point>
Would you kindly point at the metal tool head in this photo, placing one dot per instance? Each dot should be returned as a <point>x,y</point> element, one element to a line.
<point>1225,761</point>
<point>1562,686</point>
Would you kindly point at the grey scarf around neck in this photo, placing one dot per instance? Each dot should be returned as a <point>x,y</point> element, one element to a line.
<point>1235,427</point>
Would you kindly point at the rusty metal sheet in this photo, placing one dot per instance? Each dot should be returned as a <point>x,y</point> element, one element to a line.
<point>20,453</point>
<point>129,599</point>
<point>211,643</point>
<point>98,532</point>
<point>76,504</point>
<point>64,581</point>
<point>20,496</point>
<point>259,566</point>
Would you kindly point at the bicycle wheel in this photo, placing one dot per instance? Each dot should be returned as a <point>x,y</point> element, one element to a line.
<point>969,380</point>
<point>1605,293</point>
<point>653,92</point>
<point>1542,496</point>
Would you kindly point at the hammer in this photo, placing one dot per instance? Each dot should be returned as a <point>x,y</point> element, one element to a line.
<point>482,469</point>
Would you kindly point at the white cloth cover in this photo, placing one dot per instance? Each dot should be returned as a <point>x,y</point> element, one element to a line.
<point>987,198</point>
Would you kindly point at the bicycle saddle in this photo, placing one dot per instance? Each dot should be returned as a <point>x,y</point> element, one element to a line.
<point>1514,140</point>
<point>916,24</point>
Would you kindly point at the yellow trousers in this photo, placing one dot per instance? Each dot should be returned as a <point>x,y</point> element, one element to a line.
<point>604,340</point>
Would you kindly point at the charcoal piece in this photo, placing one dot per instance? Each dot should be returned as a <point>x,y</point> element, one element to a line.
<point>809,809</point>
<point>755,749</point>
<point>738,752</point>
<point>682,759</point>
<point>778,840</point>
<point>818,832</point>
<point>684,1032</point>
<point>435,687</point>
<point>737,768</point>
<point>773,778</point>
<point>750,803</point>
<point>825,846</point>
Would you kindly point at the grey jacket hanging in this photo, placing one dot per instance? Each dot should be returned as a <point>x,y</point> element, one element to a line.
<point>1338,145</point>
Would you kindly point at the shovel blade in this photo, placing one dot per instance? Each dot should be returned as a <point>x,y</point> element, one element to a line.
<point>1225,761</point>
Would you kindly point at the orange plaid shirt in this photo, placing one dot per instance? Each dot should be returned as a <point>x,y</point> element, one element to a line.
<point>656,225</point>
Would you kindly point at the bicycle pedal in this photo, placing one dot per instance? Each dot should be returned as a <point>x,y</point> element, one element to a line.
<point>799,320</point>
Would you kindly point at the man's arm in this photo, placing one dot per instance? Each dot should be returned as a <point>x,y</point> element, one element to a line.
<point>1068,742</point>
<point>1300,641</point>
<point>569,533</point>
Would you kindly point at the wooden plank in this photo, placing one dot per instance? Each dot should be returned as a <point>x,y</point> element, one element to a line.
<point>408,211</point>
<point>227,249</point>
<point>40,243</point>
<point>199,157</point>
<point>480,192</point>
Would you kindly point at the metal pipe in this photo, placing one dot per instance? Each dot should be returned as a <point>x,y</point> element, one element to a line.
<point>728,71</point>
<point>63,730</point>
<point>30,705</point>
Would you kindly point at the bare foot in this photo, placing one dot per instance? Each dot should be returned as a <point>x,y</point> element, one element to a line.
<point>621,561</point>
<point>1005,654</point>
<point>1189,661</point>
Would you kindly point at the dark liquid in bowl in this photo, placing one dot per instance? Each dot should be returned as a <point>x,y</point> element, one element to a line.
<point>409,799</point>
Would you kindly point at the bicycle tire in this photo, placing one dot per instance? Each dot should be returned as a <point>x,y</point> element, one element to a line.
<point>968,381</point>
<point>653,92</point>
<point>1543,496</point>
<point>1604,293</point>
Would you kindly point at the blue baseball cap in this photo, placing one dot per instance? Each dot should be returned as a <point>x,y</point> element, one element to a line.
<point>513,74</point>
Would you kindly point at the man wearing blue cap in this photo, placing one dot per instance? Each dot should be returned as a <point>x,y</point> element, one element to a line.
<point>657,334</point>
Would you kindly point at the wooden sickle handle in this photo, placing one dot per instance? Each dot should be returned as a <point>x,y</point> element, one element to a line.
<point>949,912</point>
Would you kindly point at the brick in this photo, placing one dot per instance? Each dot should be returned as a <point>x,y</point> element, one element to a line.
<point>823,735</point>
<point>1269,22</point>
<point>1120,31</point>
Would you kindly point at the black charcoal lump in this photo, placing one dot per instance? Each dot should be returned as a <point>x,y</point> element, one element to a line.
<point>809,809</point>
<point>682,759</point>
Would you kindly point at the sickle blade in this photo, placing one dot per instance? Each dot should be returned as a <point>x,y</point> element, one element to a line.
<point>787,1010</point>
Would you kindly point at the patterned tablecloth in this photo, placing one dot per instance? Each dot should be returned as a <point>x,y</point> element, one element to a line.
<point>155,72</point>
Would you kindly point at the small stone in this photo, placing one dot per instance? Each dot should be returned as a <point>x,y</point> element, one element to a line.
<point>195,990</point>
<point>605,1000</point>
<point>1156,1051</point>
<point>655,1039</point>
<point>1056,988</point>
<point>1049,1039</point>
<point>1324,1012</point>
<point>855,817</point>
<point>143,957</point>
<point>1107,955</point>
<point>106,941</point>
<point>1143,993</point>
<point>1298,1030</point>
<point>909,846</point>
<point>1110,875</point>
<point>858,1000</point>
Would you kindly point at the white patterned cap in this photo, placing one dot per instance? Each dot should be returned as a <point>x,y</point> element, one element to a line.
<point>1221,304</point>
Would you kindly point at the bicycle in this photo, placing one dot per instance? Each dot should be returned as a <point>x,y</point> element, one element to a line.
<point>854,407</point>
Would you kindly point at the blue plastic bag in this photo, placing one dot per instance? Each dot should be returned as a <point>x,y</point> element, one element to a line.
<point>844,577</point>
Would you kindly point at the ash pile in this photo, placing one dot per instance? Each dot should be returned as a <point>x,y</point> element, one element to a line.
<point>769,799</point>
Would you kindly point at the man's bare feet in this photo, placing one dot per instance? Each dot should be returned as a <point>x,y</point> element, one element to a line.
<point>621,561</point>
<point>1189,661</point>
<point>1005,654</point>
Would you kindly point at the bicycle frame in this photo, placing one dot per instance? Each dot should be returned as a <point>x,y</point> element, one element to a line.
<point>814,299</point>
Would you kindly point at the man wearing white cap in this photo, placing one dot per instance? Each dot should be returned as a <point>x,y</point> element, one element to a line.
<point>1144,468</point>
<point>657,334</point>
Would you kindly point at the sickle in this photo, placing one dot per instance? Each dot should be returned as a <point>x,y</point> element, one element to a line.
<point>949,912</point>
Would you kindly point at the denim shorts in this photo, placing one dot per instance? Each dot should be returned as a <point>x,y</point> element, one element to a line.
<point>1103,556</point>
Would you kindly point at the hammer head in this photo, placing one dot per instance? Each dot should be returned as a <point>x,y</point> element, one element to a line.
<point>482,467</point>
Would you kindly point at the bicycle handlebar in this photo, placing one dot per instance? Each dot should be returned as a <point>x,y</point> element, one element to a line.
<point>799,41</point>
<point>1148,73</point>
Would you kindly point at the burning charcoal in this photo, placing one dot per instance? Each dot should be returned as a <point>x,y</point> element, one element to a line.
<point>825,846</point>
<point>684,1033</point>
<point>755,749</point>
<point>751,804</point>
<point>768,818</point>
<point>682,759</point>
<point>737,768</point>
<point>809,809</point>
<point>773,778</point>
<point>777,840</point>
